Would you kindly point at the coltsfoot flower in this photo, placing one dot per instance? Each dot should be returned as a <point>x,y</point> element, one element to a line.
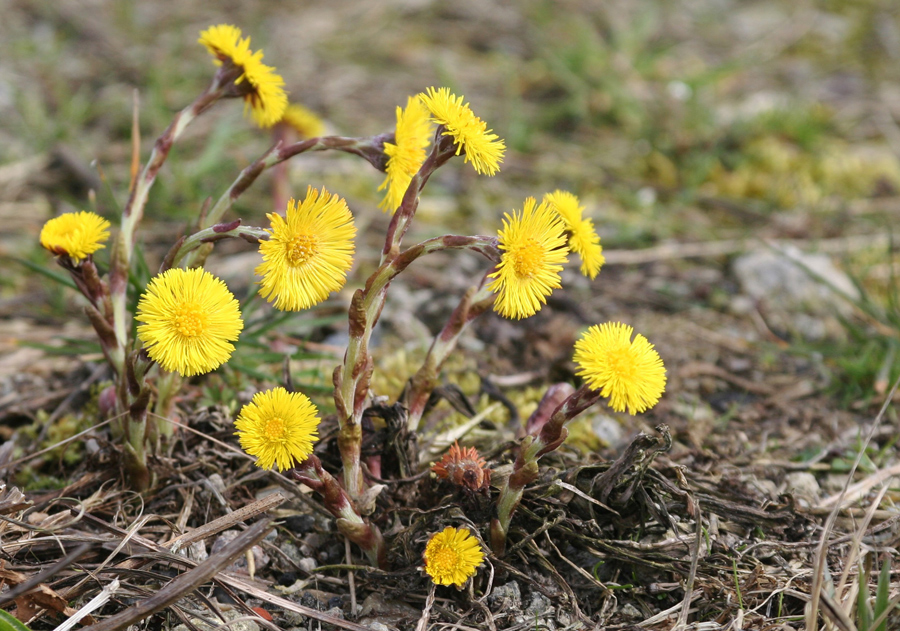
<point>583,239</point>
<point>278,427</point>
<point>482,148</point>
<point>224,42</point>
<point>452,556</point>
<point>630,373</point>
<point>412,136</point>
<point>189,321</point>
<point>259,85</point>
<point>77,235</point>
<point>534,250</point>
<point>303,120</point>
<point>309,252</point>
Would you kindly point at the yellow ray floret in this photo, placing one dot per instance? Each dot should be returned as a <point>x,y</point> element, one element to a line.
<point>189,321</point>
<point>77,235</point>
<point>267,100</point>
<point>585,242</point>
<point>452,556</point>
<point>224,42</point>
<point>309,251</point>
<point>261,87</point>
<point>412,136</point>
<point>304,121</point>
<point>566,205</point>
<point>278,427</point>
<point>482,148</point>
<point>583,239</point>
<point>630,373</point>
<point>534,251</point>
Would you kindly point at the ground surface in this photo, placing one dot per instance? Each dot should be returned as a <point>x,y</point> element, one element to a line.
<point>710,142</point>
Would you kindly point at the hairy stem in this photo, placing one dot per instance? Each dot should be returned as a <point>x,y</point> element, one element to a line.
<point>133,393</point>
<point>188,245</point>
<point>474,302</point>
<point>525,470</point>
<point>352,378</point>
<point>355,528</point>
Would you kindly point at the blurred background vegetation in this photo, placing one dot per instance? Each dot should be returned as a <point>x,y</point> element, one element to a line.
<point>682,121</point>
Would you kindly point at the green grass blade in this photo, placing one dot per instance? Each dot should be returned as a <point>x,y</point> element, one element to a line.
<point>882,592</point>
<point>9,623</point>
<point>863,608</point>
<point>62,279</point>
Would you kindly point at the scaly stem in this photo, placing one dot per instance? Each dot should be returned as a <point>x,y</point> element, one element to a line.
<point>476,301</point>
<point>355,528</point>
<point>443,150</point>
<point>133,393</point>
<point>186,246</point>
<point>167,387</point>
<point>550,436</point>
<point>352,378</point>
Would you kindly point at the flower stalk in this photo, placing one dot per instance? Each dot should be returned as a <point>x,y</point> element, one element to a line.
<point>352,378</point>
<point>367,536</point>
<point>442,151</point>
<point>187,245</point>
<point>474,302</point>
<point>167,387</point>
<point>120,265</point>
<point>533,447</point>
<point>134,393</point>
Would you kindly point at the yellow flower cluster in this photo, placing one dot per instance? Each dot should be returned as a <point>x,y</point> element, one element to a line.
<point>189,319</point>
<point>309,251</point>
<point>583,239</point>
<point>452,556</point>
<point>278,427</point>
<point>407,153</point>
<point>629,372</point>
<point>303,120</point>
<point>264,90</point>
<point>534,250</point>
<point>482,148</point>
<point>76,235</point>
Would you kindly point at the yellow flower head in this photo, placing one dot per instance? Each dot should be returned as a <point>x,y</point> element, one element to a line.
<point>304,121</point>
<point>585,242</point>
<point>630,373</point>
<point>452,556</point>
<point>412,136</point>
<point>534,250</point>
<point>471,135</point>
<point>566,205</point>
<point>583,239</point>
<point>77,235</point>
<point>261,87</point>
<point>189,321</point>
<point>278,427</point>
<point>309,252</point>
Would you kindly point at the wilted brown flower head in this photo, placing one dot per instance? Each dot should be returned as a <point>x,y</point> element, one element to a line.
<point>463,467</point>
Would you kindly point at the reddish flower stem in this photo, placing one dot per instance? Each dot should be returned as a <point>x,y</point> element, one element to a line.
<point>474,302</point>
<point>349,523</point>
<point>525,470</point>
<point>352,378</point>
